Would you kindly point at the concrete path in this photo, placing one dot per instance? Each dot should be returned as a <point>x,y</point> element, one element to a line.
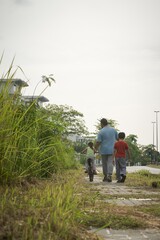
<point>120,189</point>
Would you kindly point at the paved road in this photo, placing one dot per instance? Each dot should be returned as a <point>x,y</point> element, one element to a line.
<point>110,234</point>
<point>136,168</point>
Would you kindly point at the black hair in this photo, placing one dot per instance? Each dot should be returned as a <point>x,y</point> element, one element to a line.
<point>90,144</point>
<point>104,121</point>
<point>121,135</point>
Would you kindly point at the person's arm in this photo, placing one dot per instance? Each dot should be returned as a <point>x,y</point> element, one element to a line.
<point>98,141</point>
<point>114,154</point>
<point>84,151</point>
<point>97,144</point>
<point>95,151</point>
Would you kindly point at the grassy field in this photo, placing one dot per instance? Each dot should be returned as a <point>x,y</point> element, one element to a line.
<point>67,207</point>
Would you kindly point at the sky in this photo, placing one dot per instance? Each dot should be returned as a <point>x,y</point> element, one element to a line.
<point>103,54</point>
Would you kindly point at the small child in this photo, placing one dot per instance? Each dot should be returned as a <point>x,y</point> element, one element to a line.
<point>120,150</point>
<point>90,153</point>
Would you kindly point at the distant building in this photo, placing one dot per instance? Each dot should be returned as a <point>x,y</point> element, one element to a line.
<point>75,138</point>
<point>37,99</point>
<point>12,86</point>
<point>81,139</point>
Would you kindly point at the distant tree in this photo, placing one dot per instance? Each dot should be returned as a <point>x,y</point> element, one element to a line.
<point>134,148</point>
<point>149,154</point>
<point>66,119</point>
<point>132,139</point>
<point>111,122</point>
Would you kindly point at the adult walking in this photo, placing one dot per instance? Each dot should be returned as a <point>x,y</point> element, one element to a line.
<point>105,144</point>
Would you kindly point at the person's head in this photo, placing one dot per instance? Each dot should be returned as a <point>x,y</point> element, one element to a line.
<point>104,122</point>
<point>90,144</point>
<point>121,135</point>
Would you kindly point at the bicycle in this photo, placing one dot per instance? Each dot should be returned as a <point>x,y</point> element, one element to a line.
<point>90,169</point>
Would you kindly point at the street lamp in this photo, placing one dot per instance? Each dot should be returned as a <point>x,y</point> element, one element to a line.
<point>153,133</point>
<point>156,129</point>
<point>153,143</point>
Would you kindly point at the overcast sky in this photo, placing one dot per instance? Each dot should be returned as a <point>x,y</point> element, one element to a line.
<point>104,55</point>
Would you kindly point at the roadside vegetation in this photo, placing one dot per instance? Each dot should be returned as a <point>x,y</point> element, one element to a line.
<point>38,168</point>
<point>33,139</point>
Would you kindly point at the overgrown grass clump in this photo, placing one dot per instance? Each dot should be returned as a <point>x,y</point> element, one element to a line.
<point>31,144</point>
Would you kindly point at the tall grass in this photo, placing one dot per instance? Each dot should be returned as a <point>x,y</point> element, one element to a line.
<point>33,148</point>
<point>29,146</point>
